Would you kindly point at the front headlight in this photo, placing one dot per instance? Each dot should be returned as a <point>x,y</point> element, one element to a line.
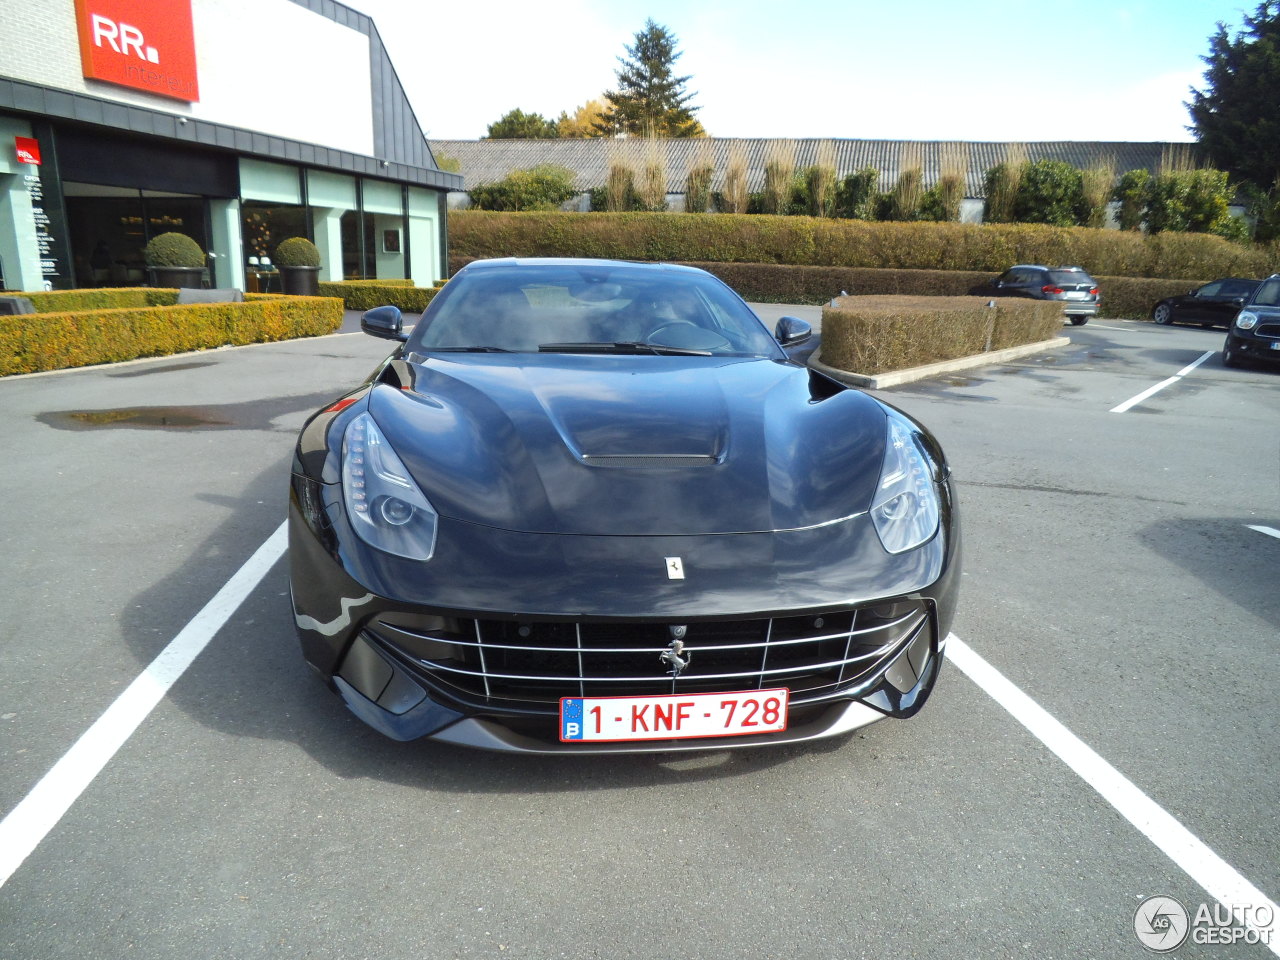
<point>906,509</point>
<point>386,508</point>
<point>1246,320</point>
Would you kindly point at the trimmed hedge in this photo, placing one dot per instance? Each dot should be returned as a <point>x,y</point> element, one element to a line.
<point>106,298</point>
<point>367,294</point>
<point>53,341</point>
<point>389,282</point>
<point>1133,298</point>
<point>1122,297</point>
<point>814,241</point>
<point>775,283</point>
<point>872,335</point>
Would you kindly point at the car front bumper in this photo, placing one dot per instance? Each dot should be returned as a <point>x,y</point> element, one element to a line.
<point>1255,347</point>
<point>855,637</point>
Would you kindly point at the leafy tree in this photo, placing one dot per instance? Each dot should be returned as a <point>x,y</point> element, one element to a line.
<point>544,187</point>
<point>1264,207</point>
<point>1237,116</point>
<point>1132,193</point>
<point>518,125</point>
<point>1192,201</point>
<point>448,164</point>
<point>1050,191</point>
<point>856,194</point>
<point>582,123</point>
<point>650,100</point>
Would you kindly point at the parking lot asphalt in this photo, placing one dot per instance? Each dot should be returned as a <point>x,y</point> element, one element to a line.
<point>1112,573</point>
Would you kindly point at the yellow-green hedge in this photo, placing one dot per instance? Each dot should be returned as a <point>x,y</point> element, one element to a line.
<point>877,334</point>
<point>1122,297</point>
<point>106,298</point>
<point>815,241</point>
<point>367,294</point>
<point>388,282</point>
<point>52,341</point>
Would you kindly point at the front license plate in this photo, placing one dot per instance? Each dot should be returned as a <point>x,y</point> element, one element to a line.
<point>678,717</point>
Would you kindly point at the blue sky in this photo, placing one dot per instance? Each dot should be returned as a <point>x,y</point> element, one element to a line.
<point>976,70</point>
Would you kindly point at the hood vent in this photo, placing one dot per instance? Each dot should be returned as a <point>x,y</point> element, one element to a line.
<point>649,461</point>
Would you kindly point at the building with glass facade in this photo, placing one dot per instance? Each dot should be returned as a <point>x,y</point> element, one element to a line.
<point>237,122</point>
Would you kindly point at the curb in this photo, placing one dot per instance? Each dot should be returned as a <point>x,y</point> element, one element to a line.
<point>894,377</point>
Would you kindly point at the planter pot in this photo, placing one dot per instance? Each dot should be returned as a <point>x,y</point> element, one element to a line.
<point>300,281</point>
<point>177,276</point>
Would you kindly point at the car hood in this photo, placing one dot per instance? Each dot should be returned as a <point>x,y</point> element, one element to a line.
<point>648,445</point>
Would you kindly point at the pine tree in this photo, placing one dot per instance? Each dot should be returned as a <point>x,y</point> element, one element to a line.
<point>1237,117</point>
<point>650,99</point>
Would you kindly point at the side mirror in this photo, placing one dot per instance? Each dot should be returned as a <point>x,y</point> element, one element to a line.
<point>1193,292</point>
<point>792,330</point>
<point>997,283</point>
<point>1238,301</point>
<point>384,323</point>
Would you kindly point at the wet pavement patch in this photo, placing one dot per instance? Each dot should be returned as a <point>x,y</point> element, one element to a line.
<point>251,415</point>
<point>144,417</point>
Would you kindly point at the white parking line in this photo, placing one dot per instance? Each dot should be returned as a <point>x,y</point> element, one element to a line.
<point>1151,391</point>
<point>1218,878</point>
<point>1269,531</point>
<point>49,800</point>
<point>39,812</point>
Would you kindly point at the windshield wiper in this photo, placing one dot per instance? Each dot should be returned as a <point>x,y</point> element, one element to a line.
<point>621,346</point>
<point>466,350</point>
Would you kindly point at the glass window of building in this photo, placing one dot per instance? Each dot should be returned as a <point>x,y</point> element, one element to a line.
<point>271,210</point>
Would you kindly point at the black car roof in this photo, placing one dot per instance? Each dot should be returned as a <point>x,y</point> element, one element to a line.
<point>505,262</point>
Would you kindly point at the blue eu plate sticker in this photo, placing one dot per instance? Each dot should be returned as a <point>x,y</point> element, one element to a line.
<point>570,719</point>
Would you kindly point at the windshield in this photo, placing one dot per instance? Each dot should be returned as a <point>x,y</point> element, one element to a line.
<point>591,308</point>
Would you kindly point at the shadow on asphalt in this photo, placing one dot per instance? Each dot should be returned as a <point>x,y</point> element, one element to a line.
<point>1210,550</point>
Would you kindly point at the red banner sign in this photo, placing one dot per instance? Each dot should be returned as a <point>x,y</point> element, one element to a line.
<point>147,45</point>
<point>28,150</point>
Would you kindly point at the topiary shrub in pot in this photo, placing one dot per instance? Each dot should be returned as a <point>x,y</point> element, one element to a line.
<point>298,260</point>
<point>175,260</point>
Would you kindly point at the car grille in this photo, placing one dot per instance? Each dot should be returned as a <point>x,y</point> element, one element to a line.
<point>533,664</point>
<point>1268,330</point>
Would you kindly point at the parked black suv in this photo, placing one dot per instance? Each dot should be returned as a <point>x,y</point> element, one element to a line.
<point>1214,304</point>
<point>1255,332</point>
<point>1076,289</point>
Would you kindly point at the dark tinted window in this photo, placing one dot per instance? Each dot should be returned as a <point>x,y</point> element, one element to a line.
<point>1023,275</point>
<point>1238,288</point>
<point>1210,289</point>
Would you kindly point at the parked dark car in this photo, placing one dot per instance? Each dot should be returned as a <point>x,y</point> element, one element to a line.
<point>1076,289</point>
<point>589,506</point>
<point>1255,332</point>
<point>1212,305</point>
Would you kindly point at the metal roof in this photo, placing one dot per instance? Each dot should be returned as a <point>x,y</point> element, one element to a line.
<point>484,161</point>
